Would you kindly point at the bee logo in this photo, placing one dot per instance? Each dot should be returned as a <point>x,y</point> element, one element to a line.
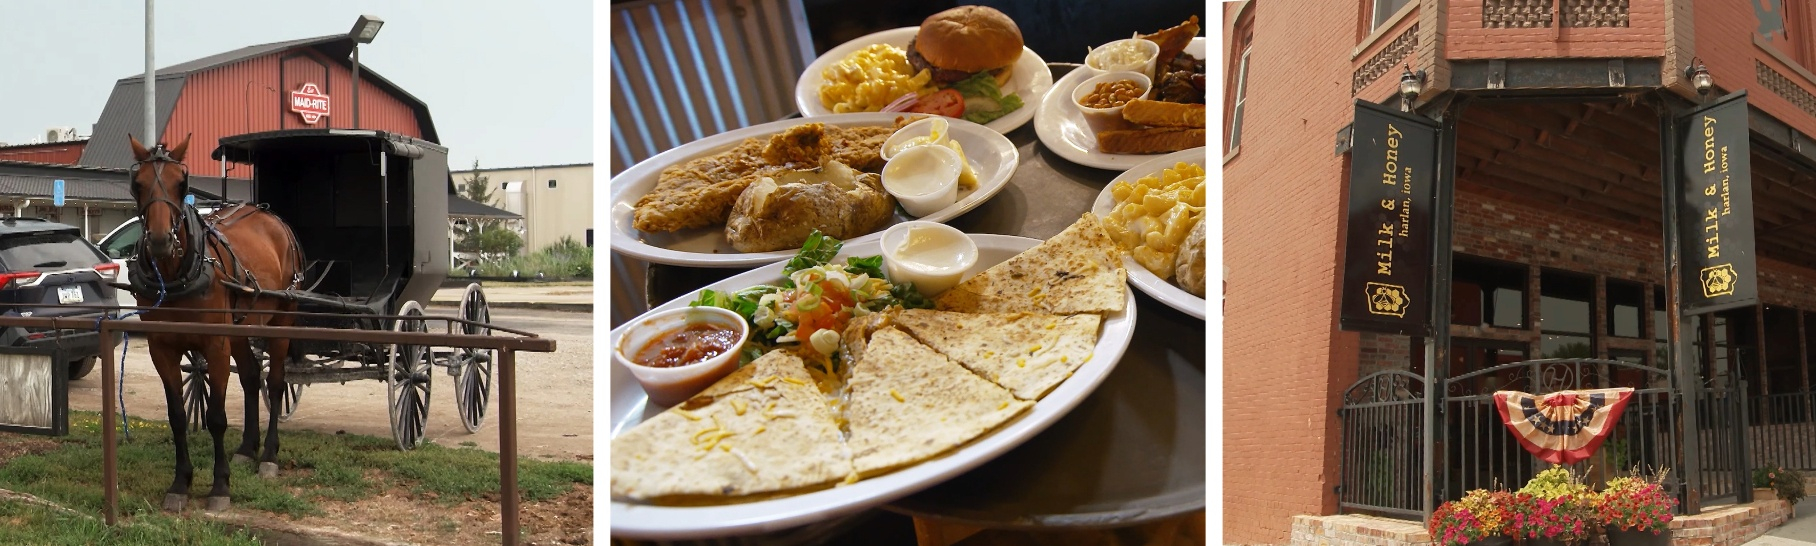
<point>1718,280</point>
<point>1387,299</point>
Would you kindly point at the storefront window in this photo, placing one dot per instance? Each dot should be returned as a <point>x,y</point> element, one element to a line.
<point>1565,315</point>
<point>1784,357</point>
<point>1487,292</point>
<point>1623,308</point>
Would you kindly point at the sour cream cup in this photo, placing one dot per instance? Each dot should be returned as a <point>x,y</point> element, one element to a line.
<point>670,386</point>
<point>919,129</point>
<point>1132,54</point>
<point>924,179</point>
<point>931,255</point>
<point>1105,119</point>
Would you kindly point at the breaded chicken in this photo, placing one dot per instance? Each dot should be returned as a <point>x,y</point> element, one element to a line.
<point>701,192</point>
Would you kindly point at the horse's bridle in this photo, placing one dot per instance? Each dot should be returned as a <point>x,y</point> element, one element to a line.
<point>178,211</point>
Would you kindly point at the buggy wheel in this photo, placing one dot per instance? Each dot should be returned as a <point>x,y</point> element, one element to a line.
<point>295,389</point>
<point>408,380</point>
<point>195,388</point>
<point>473,385</point>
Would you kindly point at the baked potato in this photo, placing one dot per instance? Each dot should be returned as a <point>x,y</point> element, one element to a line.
<point>1188,269</point>
<point>778,213</point>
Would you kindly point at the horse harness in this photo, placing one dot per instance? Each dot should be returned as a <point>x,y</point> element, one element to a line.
<point>196,258</point>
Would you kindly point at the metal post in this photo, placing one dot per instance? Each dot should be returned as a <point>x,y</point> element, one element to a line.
<point>1438,347</point>
<point>507,441</point>
<point>1683,372</point>
<point>355,84</point>
<point>110,481</point>
<point>151,88</point>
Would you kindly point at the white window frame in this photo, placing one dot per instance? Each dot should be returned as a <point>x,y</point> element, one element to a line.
<point>1235,139</point>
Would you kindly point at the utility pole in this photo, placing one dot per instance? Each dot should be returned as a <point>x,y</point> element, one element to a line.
<point>151,87</point>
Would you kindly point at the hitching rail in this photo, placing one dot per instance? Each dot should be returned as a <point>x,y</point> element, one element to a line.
<point>507,377</point>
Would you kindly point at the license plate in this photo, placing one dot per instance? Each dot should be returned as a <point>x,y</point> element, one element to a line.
<point>69,294</point>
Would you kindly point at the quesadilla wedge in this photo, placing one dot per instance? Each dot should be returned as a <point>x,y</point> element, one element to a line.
<point>1078,271</point>
<point>764,429</point>
<point>908,404</point>
<point>1027,353</point>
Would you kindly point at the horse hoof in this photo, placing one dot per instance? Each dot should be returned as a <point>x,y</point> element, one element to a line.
<point>241,459</point>
<point>268,470</point>
<point>219,504</point>
<point>174,502</point>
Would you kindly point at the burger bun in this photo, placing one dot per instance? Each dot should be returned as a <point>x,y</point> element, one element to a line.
<point>970,39</point>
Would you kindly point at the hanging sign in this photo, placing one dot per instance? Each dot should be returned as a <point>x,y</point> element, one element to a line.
<point>1715,208</point>
<point>309,102</point>
<point>56,192</point>
<point>1387,258</point>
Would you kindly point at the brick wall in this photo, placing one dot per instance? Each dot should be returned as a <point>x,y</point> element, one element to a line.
<point>1284,362</point>
<point>1468,39</point>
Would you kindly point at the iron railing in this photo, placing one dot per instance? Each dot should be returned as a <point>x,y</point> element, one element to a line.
<point>1727,470</point>
<point>1784,430</point>
<point>1480,453</point>
<point>1383,445</point>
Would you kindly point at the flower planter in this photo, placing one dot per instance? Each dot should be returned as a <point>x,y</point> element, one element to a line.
<point>1764,494</point>
<point>1499,540</point>
<point>1618,537</point>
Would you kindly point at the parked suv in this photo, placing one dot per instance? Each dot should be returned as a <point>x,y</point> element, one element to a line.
<point>43,267</point>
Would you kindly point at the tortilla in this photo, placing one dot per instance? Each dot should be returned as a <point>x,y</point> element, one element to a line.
<point>1027,353</point>
<point>908,404</point>
<point>782,438</point>
<point>1078,271</point>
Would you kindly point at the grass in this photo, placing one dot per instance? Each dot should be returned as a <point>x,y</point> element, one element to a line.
<point>566,259</point>
<point>23,523</point>
<point>314,468</point>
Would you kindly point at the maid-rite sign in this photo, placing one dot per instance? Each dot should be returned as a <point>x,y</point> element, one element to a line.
<point>1387,258</point>
<point>1715,207</point>
<point>309,102</point>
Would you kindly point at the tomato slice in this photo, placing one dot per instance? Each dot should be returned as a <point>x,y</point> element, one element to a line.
<point>947,103</point>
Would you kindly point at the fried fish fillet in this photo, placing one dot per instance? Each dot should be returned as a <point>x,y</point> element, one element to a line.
<point>701,192</point>
<point>1163,114</point>
<point>1149,141</point>
<point>780,213</point>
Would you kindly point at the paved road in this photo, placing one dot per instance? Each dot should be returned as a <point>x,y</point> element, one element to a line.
<point>555,394</point>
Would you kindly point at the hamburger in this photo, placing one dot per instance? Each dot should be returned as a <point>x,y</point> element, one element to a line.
<point>960,42</point>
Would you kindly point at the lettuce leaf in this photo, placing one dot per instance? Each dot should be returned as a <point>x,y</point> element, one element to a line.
<point>982,87</point>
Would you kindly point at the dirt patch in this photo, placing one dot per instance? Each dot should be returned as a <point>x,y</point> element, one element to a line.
<point>13,446</point>
<point>399,515</point>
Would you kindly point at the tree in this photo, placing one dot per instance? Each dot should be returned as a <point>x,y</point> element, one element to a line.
<point>488,238</point>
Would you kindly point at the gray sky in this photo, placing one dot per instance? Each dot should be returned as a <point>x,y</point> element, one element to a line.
<point>508,83</point>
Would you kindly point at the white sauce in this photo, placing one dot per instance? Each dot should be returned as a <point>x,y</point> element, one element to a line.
<point>917,174</point>
<point>935,250</point>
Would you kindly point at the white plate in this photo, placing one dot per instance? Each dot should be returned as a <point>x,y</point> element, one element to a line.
<point>1030,79</point>
<point>677,523</point>
<point>990,154</point>
<point>1061,126</point>
<point>1167,292</point>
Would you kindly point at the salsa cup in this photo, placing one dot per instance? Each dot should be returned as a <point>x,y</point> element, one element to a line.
<point>670,386</point>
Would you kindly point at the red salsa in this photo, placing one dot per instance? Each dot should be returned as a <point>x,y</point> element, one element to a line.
<point>688,345</point>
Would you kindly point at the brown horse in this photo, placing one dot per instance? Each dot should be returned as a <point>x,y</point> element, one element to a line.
<point>182,263</point>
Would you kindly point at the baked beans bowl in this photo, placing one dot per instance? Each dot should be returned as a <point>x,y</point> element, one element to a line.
<point>1102,97</point>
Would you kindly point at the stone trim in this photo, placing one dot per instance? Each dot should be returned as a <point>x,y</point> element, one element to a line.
<point>1516,13</point>
<point>1595,13</point>
<point>1782,86</point>
<point>1383,61</point>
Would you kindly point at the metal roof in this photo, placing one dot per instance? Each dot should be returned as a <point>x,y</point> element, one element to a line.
<point>125,110</point>
<point>124,115</point>
<point>461,207</point>
<point>86,189</point>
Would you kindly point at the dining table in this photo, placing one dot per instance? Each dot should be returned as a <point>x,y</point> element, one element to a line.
<point>1132,452</point>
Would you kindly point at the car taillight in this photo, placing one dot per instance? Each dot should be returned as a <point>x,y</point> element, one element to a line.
<point>13,280</point>
<point>109,271</point>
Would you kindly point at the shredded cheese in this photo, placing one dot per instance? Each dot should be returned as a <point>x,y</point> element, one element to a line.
<point>760,429</point>
<point>764,382</point>
<point>989,354</point>
<point>897,395</point>
<point>1034,349</point>
<point>1005,405</point>
<point>738,406</point>
<point>752,467</point>
<point>1034,292</point>
<point>1052,325</point>
<point>1064,359</point>
<point>794,381</point>
<point>1087,359</point>
<point>1021,362</point>
<point>688,414</point>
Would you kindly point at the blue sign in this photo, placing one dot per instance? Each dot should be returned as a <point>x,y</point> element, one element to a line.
<point>56,193</point>
<point>189,199</point>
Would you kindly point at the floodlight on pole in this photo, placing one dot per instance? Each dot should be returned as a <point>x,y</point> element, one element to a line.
<point>364,30</point>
